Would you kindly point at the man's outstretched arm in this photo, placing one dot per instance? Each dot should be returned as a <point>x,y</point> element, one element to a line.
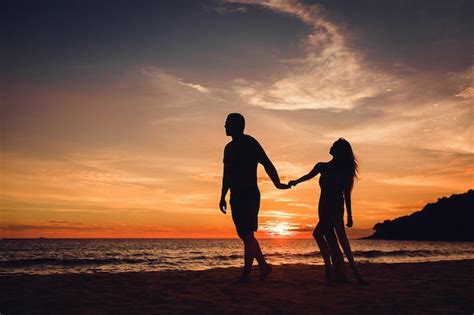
<point>225,188</point>
<point>272,173</point>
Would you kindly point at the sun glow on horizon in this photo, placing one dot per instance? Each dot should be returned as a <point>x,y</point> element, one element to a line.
<point>278,228</point>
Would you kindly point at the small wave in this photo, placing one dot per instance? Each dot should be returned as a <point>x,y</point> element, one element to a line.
<point>211,257</point>
<point>230,257</point>
<point>68,262</point>
<point>378,253</point>
<point>309,254</point>
<point>398,253</point>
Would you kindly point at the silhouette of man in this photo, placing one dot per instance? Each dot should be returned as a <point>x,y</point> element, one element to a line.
<point>241,158</point>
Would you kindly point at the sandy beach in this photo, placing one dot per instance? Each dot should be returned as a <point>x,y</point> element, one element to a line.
<point>435,287</point>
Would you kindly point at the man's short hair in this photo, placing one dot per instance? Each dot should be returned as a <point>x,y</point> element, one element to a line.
<point>237,121</point>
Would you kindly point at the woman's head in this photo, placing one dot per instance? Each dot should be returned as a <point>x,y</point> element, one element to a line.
<point>343,155</point>
<point>341,149</point>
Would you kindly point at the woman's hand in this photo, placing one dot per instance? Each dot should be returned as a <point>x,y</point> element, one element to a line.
<point>292,183</point>
<point>349,221</point>
<point>282,186</point>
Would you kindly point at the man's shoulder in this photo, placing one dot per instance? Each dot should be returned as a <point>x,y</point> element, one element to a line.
<point>228,147</point>
<point>245,141</point>
<point>250,139</point>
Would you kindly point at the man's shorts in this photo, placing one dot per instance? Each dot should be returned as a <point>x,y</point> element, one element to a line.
<point>245,204</point>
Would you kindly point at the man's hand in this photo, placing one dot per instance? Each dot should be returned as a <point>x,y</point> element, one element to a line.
<point>282,186</point>
<point>349,221</point>
<point>223,206</point>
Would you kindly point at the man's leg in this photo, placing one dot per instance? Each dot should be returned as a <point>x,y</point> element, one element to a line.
<point>252,250</point>
<point>265,268</point>
<point>258,253</point>
<point>249,254</point>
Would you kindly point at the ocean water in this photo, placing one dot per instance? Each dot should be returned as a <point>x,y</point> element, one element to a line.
<point>52,256</point>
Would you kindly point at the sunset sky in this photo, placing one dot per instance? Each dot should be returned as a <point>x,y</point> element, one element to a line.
<point>112,112</point>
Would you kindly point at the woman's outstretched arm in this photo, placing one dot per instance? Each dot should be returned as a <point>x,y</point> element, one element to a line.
<point>315,171</point>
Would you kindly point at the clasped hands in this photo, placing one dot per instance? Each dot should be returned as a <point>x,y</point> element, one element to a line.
<point>290,184</point>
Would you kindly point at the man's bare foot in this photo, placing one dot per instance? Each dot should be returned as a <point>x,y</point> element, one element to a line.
<point>361,281</point>
<point>241,280</point>
<point>265,272</point>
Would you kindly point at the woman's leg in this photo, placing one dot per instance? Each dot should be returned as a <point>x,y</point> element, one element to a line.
<point>318,235</point>
<point>336,256</point>
<point>341,234</point>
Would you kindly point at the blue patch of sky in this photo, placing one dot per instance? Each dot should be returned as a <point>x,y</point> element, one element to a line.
<point>57,41</point>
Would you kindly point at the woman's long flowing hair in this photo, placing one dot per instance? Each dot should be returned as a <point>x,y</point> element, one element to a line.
<point>346,161</point>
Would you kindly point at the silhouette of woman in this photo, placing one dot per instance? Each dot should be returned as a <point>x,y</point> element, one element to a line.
<point>336,182</point>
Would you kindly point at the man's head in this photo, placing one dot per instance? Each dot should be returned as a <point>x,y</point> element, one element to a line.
<point>234,124</point>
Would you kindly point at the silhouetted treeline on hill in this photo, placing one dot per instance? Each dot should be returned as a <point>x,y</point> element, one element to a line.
<point>448,219</point>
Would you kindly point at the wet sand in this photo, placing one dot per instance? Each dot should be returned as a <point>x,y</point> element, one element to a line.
<point>435,287</point>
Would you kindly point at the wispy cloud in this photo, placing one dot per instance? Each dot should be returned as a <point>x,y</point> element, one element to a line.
<point>466,93</point>
<point>331,75</point>
<point>197,87</point>
<point>226,8</point>
<point>169,81</point>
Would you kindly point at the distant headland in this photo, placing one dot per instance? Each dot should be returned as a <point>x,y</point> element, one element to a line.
<point>448,219</point>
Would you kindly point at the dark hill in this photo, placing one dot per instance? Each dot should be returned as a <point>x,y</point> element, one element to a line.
<point>448,219</point>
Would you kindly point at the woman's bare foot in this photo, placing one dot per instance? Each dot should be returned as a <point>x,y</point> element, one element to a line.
<point>340,278</point>
<point>265,272</point>
<point>329,274</point>
<point>340,275</point>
